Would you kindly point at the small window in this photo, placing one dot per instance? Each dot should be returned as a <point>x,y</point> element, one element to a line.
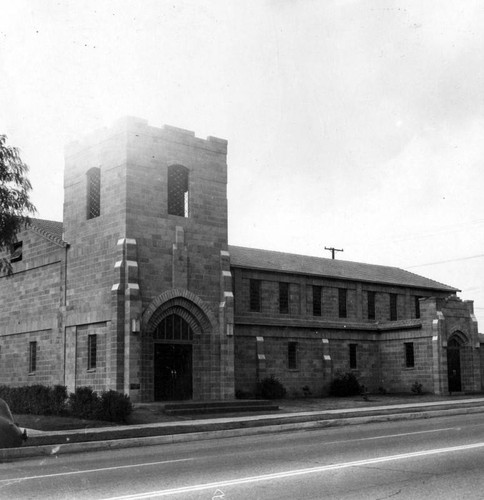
<point>93,193</point>
<point>353,363</point>
<point>393,307</point>
<point>255,297</point>
<point>16,252</point>
<point>342,295</point>
<point>91,352</point>
<point>317,293</point>
<point>371,305</point>
<point>409,355</point>
<point>32,357</point>
<point>292,361</point>
<point>284,298</point>
<point>178,190</point>
<point>417,307</point>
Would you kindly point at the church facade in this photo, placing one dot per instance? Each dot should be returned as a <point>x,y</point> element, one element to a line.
<point>138,290</point>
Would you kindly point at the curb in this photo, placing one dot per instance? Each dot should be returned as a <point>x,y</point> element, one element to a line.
<point>244,430</point>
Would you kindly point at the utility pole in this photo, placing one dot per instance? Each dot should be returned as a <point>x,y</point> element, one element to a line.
<point>332,250</point>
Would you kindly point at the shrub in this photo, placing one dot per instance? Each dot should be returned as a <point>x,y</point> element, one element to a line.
<point>417,388</point>
<point>270,388</point>
<point>345,384</point>
<point>240,394</point>
<point>84,403</point>
<point>58,400</point>
<point>114,406</point>
<point>35,399</point>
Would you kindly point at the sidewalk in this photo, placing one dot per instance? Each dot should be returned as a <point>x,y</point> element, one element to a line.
<point>151,427</point>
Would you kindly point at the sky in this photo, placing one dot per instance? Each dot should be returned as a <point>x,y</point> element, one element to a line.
<point>354,124</point>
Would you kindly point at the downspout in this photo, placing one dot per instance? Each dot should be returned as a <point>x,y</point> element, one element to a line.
<point>65,311</point>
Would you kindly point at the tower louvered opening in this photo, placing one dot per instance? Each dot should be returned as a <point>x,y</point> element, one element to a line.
<point>178,190</point>
<point>93,193</point>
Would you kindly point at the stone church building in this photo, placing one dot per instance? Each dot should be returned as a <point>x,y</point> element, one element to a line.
<point>138,290</point>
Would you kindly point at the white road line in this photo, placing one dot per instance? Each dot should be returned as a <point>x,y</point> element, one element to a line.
<point>91,471</point>
<point>402,434</point>
<point>292,473</point>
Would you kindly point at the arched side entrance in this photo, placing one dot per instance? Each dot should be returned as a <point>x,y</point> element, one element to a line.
<point>174,326</point>
<point>454,359</point>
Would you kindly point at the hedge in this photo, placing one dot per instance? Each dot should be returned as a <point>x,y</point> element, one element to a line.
<point>84,403</point>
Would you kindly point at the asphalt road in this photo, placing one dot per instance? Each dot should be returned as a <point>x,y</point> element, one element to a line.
<point>441,458</point>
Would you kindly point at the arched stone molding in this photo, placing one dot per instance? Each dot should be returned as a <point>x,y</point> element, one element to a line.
<point>458,335</point>
<point>183,303</point>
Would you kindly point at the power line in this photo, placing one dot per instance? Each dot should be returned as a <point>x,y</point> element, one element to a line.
<point>446,229</point>
<point>448,261</point>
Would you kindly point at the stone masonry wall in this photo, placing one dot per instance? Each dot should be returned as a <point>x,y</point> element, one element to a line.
<point>14,358</point>
<point>177,252</point>
<point>301,297</point>
<point>151,151</point>
<point>94,249</point>
<point>313,370</point>
<point>379,342</point>
<point>95,377</point>
<point>31,300</point>
<point>395,375</point>
<point>93,241</point>
<point>452,318</point>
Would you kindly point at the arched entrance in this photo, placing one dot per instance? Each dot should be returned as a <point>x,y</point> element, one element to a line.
<point>173,359</point>
<point>176,327</point>
<point>454,363</point>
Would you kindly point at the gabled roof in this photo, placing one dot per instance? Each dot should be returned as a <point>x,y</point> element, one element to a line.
<point>50,229</point>
<point>267,260</point>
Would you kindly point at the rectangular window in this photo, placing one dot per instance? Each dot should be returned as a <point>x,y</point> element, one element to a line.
<point>317,292</point>
<point>353,356</point>
<point>284,298</point>
<point>16,252</point>
<point>93,193</point>
<point>409,355</point>
<point>417,307</point>
<point>371,305</point>
<point>342,295</point>
<point>393,307</point>
<point>292,361</point>
<point>255,298</point>
<point>32,357</point>
<point>91,352</point>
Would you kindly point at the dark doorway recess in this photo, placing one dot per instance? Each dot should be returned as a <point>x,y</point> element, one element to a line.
<point>173,372</point>
<point>453,365</point>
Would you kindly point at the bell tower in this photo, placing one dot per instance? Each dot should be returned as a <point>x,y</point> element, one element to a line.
<point>146,217</point>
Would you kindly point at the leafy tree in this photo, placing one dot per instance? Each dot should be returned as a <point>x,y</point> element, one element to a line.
<point>15,205</point>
